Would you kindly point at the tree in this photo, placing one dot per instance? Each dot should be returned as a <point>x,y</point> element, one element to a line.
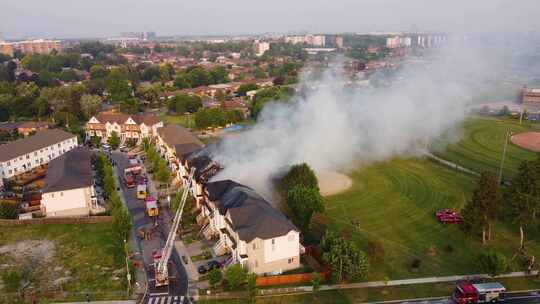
<point>181,81</point>
<point>121,223</point>
<point>219,75</point>
<point>303,202</point>
<point>90,104</point>
<point>235,276</point>
<point>316,282</point>
<point>205,118</point>
<point>214,277</point>
<point>181,103</point>
<point>198,76</point>
<point>525,195</point>
<point>300,174</point>
<point>118,85</point>
<point>246,87</point>
<point>151,73</point>
<point>97,71</point>
<point>129,105</point>
<point>344,258</point>
<point>492,263</point>
<point>251,286</point>
<point>259,73</point>
<point>113,140</point>
<point>484,207</point>
<point>8,210</point>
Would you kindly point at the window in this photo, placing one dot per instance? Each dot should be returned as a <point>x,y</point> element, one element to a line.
<point>273,244</point>
<point>290,260</point>
<point>291,237</point>
<point>10,171</point>
<point>35,153</point>
<point>52,195</point>
<point>9,163</point>
<point>61,193</point>
<point>20,158</point>
<point>58,145</point>
<point>27,156</point>
<point>41,151</point>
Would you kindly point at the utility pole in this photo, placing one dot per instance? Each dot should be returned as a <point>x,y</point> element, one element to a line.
<point>508,133</point>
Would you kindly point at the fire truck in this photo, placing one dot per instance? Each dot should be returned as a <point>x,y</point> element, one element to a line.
<point>469,293</point>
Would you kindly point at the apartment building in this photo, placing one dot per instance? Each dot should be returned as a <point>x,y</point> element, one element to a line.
<point>31,152</point>
<point>261,47</point>
<point>126,126</point>
<point>248,228</point>
<point>39,46</point>
<point>69,189</point>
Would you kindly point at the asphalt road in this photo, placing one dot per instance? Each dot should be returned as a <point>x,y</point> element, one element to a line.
<point>177,289</point>
<point>510,298</point>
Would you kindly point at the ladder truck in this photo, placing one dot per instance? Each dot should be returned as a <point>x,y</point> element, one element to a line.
<point>161,260</point>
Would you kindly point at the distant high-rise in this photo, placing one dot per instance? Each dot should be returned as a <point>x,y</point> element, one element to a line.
<point>261,47</point>
<point>140,35</point>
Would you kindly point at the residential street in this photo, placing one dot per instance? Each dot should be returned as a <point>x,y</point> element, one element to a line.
<point>176,291</point>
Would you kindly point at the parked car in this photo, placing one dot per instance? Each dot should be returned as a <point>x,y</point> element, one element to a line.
<point>202,269</point>
<point>213,265</point>
<point>448,216</point>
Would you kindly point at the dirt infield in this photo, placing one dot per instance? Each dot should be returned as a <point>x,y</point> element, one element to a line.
<point>331,182</point>
<point>527,140</point>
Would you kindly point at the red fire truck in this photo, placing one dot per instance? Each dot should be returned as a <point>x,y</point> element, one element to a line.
<point>469,293</point>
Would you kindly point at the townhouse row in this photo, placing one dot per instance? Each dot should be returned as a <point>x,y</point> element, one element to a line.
<point>245,227</point>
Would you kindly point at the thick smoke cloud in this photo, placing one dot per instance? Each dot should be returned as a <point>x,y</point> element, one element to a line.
<point>334,128</point>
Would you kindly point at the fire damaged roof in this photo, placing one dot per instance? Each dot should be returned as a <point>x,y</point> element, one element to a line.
<point>175,135</point>
<point>184,150</point>
<point>217,189</point>
<point>251,216</point>
<point>203,164</point>
<point>72,170</point>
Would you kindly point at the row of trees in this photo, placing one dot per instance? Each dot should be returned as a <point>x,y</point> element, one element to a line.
<point>517,203</point>
<point>157,164</point>
<point>196,76</point>
<point>216,117</point>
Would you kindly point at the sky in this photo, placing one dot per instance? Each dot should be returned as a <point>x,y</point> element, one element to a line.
<point>105,18</point>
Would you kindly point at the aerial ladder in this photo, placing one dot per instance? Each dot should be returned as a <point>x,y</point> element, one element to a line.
<point>161,261</point>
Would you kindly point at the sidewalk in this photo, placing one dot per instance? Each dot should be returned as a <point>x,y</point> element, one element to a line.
<point>304,289</point>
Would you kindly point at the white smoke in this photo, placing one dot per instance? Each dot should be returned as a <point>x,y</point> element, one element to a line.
<point>334,129</point>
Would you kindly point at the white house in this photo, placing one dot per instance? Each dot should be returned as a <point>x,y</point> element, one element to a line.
<point>69,189</point>
<point>248,228</point>
<point>31,152</point>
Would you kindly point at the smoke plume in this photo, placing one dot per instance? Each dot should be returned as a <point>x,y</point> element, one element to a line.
<point>335,127</point>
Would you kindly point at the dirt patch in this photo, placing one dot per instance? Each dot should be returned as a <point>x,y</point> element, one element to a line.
<point>527,140</point>
<point>331,182</point>
<point>36,250</point>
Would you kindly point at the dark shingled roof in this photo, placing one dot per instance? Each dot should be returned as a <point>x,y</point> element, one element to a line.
<point>252,217</point>
<point>70,171</point>
<point>184,150</point>
<point>30,144</point>
<point>175,135</point>
<point>217,189</point>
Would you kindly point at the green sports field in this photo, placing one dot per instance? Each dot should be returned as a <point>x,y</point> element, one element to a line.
<point>394,202</point>
<point>481,145</point>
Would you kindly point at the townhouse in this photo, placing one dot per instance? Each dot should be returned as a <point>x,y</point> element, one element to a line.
<point>34,151</point>
<point>127,127</point>
<point>247,227</point>
<point>69,189</point>
<point>174,140</point>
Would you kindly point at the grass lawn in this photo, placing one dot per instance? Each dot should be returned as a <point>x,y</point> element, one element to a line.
<point>482,142</point>
<point>187,121</point>
<point>394,202</point>
<point>87,252</point>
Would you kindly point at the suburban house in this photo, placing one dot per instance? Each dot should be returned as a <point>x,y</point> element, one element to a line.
<point>34,151</point>
<point>171,139</point>
<point>135,127</point>
<point>248,228</point>
<point>23,127</point>
<point>69,189</point>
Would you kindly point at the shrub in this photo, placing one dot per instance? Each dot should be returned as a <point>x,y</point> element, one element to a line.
<point>416,263</point>
<point>8,210</point>
<point>376,250</point>
<point>214,277</point>
<point>493,263</point>
<point>12,280</point>
<point>235,276</point>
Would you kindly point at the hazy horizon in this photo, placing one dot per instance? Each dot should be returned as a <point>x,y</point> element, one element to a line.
<point>99,18</point>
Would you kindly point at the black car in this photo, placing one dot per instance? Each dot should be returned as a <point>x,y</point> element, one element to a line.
<point>202,269</point>
<point>213,265</point>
